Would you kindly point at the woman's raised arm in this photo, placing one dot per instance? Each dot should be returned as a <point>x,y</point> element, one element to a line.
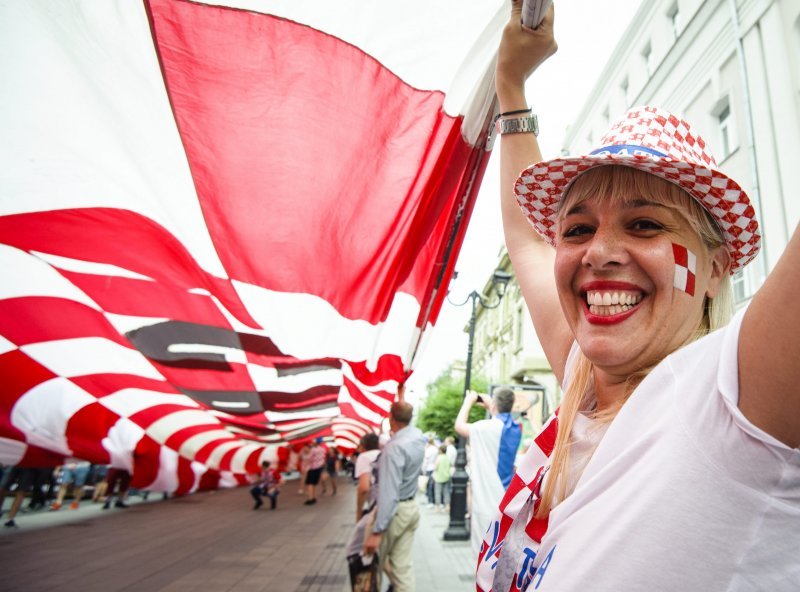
<point>521,51</point>
<point>769,351</point>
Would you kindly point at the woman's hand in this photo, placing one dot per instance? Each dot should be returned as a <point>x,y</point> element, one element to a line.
<point>521,51</point>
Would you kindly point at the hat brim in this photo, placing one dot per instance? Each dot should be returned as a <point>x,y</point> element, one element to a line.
<point>541,186</point>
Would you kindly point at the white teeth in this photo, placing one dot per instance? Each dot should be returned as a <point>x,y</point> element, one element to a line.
<point>605,311</point>
<point>612,298</point>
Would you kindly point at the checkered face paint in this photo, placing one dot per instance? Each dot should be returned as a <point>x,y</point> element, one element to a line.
<point>685,269</point>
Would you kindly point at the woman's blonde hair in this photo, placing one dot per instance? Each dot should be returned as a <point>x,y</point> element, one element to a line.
<point>606,183</point>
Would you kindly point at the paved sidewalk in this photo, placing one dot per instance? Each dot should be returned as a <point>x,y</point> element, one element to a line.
<point>211,541</point>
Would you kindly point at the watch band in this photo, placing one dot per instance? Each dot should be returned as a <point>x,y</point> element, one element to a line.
<point>518,125</point>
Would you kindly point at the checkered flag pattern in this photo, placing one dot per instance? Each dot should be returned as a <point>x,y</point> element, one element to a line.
<point>657,142</point>
<point>507,531</point>
<point>685,269</point>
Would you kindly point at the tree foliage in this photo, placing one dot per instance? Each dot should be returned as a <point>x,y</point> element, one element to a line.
<point>445,394</point>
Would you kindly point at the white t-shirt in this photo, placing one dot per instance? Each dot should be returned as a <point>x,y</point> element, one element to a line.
<point>683,493</point>
<point>452,454</point>
<point>429,460</point>
<point>365,461</point>
<point>487,489</point>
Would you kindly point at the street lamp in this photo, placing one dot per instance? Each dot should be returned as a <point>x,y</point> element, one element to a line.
<point>458,530</point>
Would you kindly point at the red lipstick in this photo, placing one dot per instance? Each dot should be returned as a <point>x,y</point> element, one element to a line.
<point>606,286</point>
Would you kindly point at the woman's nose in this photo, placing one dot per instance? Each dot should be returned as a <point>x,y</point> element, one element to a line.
<point>605,249</point>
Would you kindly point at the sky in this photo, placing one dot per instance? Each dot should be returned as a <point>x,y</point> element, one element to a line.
<point>587,32</point>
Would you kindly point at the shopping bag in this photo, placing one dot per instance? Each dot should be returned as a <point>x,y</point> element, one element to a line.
<point>363,572</point>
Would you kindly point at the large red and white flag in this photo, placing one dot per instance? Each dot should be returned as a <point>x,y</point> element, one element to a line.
<point>224,229</point>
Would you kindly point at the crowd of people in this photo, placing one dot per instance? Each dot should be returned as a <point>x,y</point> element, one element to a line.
<point>50,487</point>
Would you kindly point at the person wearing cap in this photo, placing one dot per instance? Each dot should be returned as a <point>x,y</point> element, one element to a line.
<point>396,515</point>
<point>673,462</point>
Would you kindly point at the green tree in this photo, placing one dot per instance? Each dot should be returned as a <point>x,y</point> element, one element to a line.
<point>438,415</point>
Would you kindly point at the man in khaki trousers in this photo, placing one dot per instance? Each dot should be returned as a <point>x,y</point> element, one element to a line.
<point>397,515</point>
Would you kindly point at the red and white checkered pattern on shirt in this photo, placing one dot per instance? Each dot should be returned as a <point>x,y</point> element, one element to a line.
<point>687,163</point>
<point>524,486</point>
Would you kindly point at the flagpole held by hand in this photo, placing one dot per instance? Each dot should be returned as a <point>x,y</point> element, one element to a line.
<point>533,12</point>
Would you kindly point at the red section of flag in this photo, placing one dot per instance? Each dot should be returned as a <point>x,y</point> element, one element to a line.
<point>20,374</point>
<point>35,319</point>
<point>146,462</point>
<point>321,156</point>
<point>101,385</point>
<point>124,239</point>
<point>86,430</point>
<point>319,172</point>
<point>186,476</point>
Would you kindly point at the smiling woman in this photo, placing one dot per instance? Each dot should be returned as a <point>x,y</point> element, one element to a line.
<point>615,215</point>
<point>617,227</point>
<point>677,438</point>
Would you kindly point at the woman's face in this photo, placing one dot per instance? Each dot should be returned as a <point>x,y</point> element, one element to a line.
<point>615,273</point>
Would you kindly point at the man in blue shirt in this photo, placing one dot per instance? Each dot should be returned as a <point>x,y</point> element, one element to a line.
<point>397,518</point>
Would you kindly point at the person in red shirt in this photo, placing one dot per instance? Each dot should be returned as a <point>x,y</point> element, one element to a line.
<point>316,462</point>
<point>269,482</point>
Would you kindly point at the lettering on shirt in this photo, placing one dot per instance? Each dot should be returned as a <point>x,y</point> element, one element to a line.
<point>543,568</point>
<point>527,570</point>
<point>495,546</point>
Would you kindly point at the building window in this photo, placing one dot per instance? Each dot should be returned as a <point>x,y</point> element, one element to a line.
<point>674,16</point>
<point>649,62</point>
<point>606,118</point>
<point>724,120</point>
<point>740,286</point>
<point>728,141</point>
<point>625,87</point>
<point>797,33</point>
<point>518,328</point>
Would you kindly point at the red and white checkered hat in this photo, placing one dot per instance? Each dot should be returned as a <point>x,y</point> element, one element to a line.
<point>657,142</point>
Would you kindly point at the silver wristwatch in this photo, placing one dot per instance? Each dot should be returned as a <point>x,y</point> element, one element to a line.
<point>518,125</point>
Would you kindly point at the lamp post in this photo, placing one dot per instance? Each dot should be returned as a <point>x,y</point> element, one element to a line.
<point>458,529</point>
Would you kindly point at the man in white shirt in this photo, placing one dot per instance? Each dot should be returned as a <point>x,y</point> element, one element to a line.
<point>493,446</point>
